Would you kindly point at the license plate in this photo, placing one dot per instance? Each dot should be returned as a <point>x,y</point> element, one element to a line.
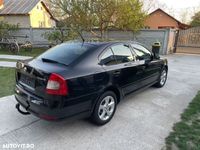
<point>27,80</point>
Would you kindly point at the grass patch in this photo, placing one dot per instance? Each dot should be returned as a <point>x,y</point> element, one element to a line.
<point>7,81</point>
<point>186,133</point>
<point>33,53</point>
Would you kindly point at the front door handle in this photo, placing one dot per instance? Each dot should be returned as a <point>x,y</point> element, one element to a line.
<point>141,70</point>
<point>128,64</point>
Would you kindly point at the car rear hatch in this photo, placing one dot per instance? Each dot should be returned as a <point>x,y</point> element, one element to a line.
<point>32,76</point>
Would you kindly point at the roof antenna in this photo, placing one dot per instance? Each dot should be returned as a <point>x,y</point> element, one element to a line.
<point>83,40</point>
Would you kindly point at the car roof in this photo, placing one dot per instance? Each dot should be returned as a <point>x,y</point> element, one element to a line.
<point>104,43</point>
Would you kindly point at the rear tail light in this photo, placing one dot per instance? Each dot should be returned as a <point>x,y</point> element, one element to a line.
<point>57,85</point>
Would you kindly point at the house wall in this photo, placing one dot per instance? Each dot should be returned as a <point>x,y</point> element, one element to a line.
<point>39,17</point>
<point>160,19</point>
<point>22,20</point>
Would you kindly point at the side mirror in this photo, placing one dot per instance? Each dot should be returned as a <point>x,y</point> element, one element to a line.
<point>147,61</point>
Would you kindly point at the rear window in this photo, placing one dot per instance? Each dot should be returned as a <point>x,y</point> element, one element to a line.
<point>66,53</point>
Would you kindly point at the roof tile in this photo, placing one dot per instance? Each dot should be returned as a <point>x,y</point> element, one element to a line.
<point>18,6</point>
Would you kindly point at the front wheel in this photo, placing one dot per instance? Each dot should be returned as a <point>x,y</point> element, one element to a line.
<point>105,108</point>
<point>162,79</point>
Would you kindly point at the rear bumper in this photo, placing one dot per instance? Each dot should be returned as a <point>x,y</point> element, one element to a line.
<point>48,114</point>
<point>26,100</point>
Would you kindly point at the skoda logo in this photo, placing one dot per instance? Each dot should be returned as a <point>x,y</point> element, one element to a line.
<point>25,69</point>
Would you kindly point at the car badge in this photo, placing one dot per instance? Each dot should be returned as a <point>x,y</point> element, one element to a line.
<point>25,69</point>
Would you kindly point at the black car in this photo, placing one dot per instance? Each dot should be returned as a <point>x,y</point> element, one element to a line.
<point>86,79</point>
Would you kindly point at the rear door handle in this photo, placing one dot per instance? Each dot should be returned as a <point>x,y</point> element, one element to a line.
<point>117,72</point>
<point>128,64</point>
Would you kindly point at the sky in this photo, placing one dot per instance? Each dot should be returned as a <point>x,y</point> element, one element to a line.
<point>183,10</point>
<point>179,4</point>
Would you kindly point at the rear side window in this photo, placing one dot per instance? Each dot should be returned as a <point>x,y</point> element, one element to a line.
<point>66,53</point>
<point>142,52</point>
<point>108,58</point>
<point>122,53</point>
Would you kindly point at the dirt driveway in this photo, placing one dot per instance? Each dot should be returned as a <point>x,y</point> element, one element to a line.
<point>141,122</point>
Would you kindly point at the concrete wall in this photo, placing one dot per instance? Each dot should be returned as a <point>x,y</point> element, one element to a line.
<point>146,37</point>
<point>188,50</point>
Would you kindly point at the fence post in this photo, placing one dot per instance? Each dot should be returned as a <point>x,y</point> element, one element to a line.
<point>165,42</point>
<point>31,34</point>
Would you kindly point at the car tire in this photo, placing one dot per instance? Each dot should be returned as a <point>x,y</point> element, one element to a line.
<point>105,108</point>
<point>162,78</point>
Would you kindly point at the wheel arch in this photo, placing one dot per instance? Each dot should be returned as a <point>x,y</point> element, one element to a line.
<point>116,90</point>
<point>111,88</point>
<point>165,66</point>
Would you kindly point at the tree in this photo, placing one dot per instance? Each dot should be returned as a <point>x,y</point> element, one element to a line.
<point>129,15</point>
<point>195,20</point>
<point>6,28</point>
<point>59,34</point>
<point>87,15</point>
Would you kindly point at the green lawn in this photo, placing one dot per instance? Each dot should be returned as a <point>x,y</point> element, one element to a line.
<point>7,75</point>
<point>186,133</point>
<point>7,81</point>
<point>35,52</point>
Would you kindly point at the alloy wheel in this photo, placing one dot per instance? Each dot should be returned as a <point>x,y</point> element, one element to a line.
<point>106,108</point>
<point>163,77</point>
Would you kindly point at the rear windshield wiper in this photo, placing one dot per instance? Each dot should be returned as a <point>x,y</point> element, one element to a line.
<point>52,61</point>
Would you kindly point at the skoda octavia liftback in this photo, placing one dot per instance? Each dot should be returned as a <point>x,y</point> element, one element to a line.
<point>85,79</point>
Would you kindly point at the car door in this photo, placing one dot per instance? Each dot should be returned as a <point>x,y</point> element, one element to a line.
<point>126,61</point>
<point>150,69</point>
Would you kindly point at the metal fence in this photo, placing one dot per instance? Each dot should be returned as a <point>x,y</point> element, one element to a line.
<point>189,38</point>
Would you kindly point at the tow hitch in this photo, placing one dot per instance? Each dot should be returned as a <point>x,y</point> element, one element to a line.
<point>22,112</point>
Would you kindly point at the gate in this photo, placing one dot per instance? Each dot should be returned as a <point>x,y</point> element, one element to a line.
<point>188,41</point>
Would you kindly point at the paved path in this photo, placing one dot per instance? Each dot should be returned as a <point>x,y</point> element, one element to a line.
<point>142,121</point>
<point>15,57</point>
<point>7,64</point>
<point>11,57</point>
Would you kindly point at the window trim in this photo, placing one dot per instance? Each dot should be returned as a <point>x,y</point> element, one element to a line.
<point>102,53</point>
<point>109,47</point>
<point>137,49</point>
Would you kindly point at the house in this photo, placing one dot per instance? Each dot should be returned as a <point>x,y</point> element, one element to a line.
<point>26,13</point>
<point>159,19</point>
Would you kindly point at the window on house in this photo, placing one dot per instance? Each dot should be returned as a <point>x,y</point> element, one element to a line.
<point>41,24</point>
<point>147,27</point>
<point>166,27</point>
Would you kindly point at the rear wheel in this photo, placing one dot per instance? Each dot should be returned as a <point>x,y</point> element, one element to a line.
<point>162,79</point>
<point>105,108</point>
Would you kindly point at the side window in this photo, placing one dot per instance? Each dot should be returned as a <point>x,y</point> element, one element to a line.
<point>108,58</point>
<point>142,52</point>
<point>122,53</point>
